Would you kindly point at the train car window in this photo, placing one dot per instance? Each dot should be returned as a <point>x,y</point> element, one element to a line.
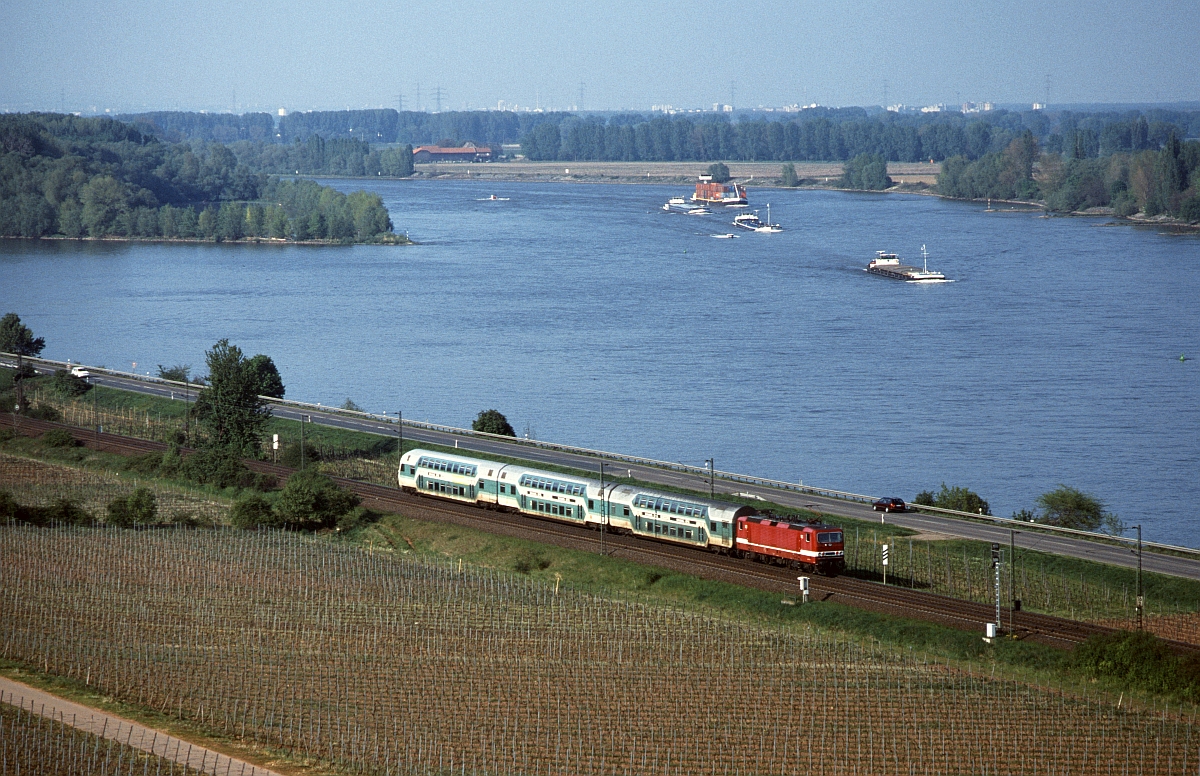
<point>626,511</point>
<point>687,534</point>
<point>591,505</point>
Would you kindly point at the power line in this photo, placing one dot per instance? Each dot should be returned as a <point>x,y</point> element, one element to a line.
<point>437,96</point>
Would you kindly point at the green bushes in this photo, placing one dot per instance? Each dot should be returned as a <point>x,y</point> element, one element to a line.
<point>956,497</point>
<point>1141,660</point>
<point>59,437</point>
<point>68,386</point>
<point>253,511</point>
<point>290,455</point>
<point>217,468</point>
<point>310,501</point>
<point>138,508</point>
<point>492,422</point>
<point>62,511</point>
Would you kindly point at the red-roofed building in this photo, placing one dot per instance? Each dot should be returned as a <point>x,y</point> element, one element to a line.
<point>468,153</point>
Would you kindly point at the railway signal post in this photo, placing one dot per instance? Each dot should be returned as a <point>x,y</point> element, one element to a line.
<point>885,563</point>
<point>803,589</point>
<point>996,567</point>
<point>1141,598</point>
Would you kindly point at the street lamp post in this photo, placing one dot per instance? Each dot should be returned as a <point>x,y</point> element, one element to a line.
<point>399,434</point>
<point>603,513</point>
<point>302,419</point>
<point>712,469</point>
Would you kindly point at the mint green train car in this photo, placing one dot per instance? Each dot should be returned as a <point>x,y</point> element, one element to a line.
<point>666,517</point>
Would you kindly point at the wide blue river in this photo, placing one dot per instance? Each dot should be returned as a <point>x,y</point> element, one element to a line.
<point>590,317</point>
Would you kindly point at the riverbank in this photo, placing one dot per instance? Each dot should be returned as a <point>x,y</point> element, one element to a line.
<point>812,174</point>
<point>379,239</point>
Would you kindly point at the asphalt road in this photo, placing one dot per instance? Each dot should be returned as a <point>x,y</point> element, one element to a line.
<point>948,526</point>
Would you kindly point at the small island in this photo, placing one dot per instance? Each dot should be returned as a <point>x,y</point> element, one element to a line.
<point>69,177</point>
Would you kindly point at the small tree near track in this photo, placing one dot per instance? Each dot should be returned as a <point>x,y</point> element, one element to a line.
<point>230,410</point>
<point>1069,507</point>
<point>493,422</point>
<point>18,339</point>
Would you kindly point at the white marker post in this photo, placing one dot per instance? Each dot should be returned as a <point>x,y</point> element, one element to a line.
<point>885,559</point>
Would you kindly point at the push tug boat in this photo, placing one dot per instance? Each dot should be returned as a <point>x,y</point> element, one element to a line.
<point>888,265</point>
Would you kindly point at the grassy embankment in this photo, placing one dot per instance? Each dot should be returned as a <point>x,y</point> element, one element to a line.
<point>1066,586</point>
<point>372,457</point>
<point>1044,582</point>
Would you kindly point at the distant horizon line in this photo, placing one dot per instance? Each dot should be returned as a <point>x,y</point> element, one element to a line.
<point>665,109</point>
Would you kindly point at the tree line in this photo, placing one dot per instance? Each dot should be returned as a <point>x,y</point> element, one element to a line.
<point>381,126</point>
<point>843,135</point>
<point>817,134</point>
<point>1163,181</point>
<point>97,177</point>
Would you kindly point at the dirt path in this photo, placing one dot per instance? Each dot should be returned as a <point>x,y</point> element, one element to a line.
<point>124,731</point>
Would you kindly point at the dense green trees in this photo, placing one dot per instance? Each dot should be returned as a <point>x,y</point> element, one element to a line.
<point>100,178</point>
<point>230,411</point>
<point>267,375</point>
<point>1166,181</point>
<point>866,171</point>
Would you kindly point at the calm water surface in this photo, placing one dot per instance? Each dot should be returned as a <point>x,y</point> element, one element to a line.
<point>589,316</point>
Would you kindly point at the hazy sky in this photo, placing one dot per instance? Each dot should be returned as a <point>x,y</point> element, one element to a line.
<point>300,54</point>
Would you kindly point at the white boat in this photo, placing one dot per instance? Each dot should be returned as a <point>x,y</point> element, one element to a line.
<point>726,236</point>
<point>752,222</point>
<point>681,205</point>
<point>888,265</point>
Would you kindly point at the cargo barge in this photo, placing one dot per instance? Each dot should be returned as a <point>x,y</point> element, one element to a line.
<point>711,193</point>
<point>888,265</point>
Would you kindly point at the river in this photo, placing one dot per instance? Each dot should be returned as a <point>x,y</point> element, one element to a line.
<point>590,317</point>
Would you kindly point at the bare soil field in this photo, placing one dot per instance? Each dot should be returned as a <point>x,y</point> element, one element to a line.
<point>374,662</point>
<point>751,173</point>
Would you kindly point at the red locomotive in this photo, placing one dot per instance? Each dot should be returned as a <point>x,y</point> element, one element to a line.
<point>812,545</point>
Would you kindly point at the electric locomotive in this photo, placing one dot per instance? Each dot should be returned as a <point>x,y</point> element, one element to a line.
<point>667,517</point>
<point>810,545</point>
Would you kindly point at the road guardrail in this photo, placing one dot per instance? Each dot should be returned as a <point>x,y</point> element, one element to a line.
<point>735,477</point>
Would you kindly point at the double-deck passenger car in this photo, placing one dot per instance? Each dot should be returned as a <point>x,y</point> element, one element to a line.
<point>666,517</point>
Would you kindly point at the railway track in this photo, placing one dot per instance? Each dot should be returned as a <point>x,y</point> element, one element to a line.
<point>887,599</point>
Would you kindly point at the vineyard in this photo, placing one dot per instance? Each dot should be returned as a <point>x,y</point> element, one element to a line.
<point>33,744</point>
<point>963,572</point>
<point>40,484</point>
<point>382,664</point>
